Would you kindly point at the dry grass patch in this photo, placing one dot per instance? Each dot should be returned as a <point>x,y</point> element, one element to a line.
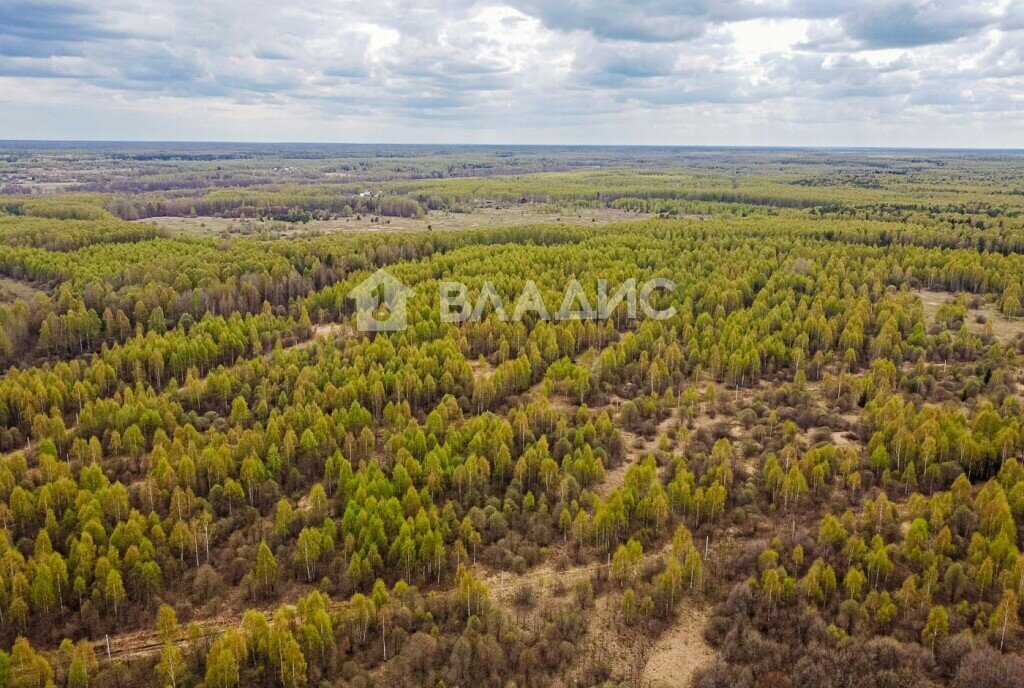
<point>12,290</point>
<point>680,652</point>
<point>1004,329</point>
<point>506,216</point>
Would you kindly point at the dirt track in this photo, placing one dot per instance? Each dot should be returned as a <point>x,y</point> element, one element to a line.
<point>145,644</point>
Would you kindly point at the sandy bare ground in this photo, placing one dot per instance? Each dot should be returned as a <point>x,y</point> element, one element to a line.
<point>680,652</point>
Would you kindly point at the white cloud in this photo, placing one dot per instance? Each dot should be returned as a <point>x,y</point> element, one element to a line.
<point>879,72</point>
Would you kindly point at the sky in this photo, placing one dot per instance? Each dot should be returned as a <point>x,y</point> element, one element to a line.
<point>909,73</point>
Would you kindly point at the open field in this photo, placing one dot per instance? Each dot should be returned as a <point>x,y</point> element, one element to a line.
<point>479,217</point>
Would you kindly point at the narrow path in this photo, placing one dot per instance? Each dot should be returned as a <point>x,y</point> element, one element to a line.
<point>680,652</point>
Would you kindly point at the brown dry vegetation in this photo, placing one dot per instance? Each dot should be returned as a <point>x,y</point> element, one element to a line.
<point>12,289</point>
<point>979,313</point>
<point>681,652</point>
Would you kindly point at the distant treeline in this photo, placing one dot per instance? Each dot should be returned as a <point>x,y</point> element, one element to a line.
<point>169,183</point>
<point>291,204</point>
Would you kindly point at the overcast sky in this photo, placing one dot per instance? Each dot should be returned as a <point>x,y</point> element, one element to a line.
<point>757,72</point>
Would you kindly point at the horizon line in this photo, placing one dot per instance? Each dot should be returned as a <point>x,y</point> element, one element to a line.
<point>649,146</point>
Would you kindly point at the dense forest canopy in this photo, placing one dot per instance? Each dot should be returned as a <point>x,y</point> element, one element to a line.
<point>811,474</point>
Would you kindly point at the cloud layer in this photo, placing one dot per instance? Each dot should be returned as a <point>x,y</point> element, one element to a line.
<point>827,72</point>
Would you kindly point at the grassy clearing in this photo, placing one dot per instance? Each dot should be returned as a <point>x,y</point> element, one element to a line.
<point>978,314</point>
<point>481,217</point>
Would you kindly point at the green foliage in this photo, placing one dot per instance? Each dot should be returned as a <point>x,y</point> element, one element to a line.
<point>183,414</point>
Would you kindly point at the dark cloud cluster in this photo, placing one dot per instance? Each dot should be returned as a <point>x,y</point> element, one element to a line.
<point>43,29</point>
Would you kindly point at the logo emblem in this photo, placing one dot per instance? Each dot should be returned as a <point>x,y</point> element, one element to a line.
<point>380,303</point>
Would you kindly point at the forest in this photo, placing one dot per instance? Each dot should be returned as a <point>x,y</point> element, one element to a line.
<point>811,475</point>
